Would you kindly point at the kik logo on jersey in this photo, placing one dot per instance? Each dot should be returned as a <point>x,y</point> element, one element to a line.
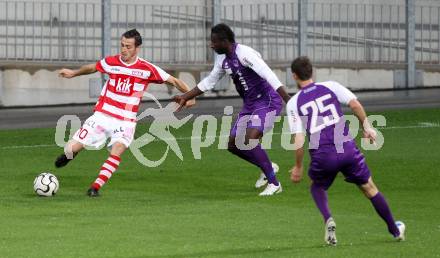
<point>124,85</point>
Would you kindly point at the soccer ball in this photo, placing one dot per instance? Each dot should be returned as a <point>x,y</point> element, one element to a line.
<point>46,184</point>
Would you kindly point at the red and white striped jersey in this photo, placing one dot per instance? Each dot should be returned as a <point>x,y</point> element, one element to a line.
<point>123,91</point>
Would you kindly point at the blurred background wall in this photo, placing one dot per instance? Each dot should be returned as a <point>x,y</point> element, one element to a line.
<point>361,44</point>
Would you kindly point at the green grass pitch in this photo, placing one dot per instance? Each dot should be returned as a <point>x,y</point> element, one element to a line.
<point>209,207</point>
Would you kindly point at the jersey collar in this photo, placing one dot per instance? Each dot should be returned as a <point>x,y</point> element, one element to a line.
<point>120,59</point>
<point>234,47</point>
<point>308,85</point>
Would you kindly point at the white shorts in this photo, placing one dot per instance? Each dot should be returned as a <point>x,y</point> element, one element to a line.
<point>99,127</point>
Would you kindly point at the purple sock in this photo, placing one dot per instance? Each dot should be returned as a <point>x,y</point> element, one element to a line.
<point>381,206</point>
<point>320,196</point>
<point>242,154</point>
<point>258,157</point>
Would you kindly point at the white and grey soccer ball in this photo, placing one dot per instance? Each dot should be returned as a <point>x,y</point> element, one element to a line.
<point>46,184</point>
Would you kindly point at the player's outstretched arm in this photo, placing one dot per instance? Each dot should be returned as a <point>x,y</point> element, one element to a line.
<point>297,171</point>
<point>206,84</point>
<point>359,112</point>
<point>182,87</point>
<point>182,99</point>
<point>85,69</point>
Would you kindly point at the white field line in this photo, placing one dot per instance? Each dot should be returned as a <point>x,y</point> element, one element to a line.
<point>421,125</point>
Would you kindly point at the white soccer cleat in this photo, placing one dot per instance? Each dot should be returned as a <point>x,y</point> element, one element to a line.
<point>271,189</point>
<point>401,226</point>
<point>330,232</point>
<point>262,181</point>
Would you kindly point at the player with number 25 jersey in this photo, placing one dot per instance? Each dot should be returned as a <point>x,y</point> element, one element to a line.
<point>316,111</point>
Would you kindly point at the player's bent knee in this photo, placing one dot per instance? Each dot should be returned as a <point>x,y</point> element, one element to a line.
<point>369,189</point>
<point>118,148</point>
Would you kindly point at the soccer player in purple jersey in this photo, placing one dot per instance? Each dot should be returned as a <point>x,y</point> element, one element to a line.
<point>316,110</point>
<point>262,95</point>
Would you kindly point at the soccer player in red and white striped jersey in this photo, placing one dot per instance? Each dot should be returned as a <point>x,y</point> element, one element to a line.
<point>117,107</point>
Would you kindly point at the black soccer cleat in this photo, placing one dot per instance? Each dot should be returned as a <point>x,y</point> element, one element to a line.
<point>62,160</point>
<point>92,192</point>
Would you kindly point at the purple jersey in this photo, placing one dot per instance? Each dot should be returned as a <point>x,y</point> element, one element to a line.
<point>316,110</point>
<point>253,79</point>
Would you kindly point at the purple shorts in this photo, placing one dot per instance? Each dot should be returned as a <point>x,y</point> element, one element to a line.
<point>262,118</point>
<point>326,164</point>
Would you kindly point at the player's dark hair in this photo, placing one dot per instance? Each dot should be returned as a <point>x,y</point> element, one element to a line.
<point>302,67</point>
<point>133,34</point>
<point>224,32</point>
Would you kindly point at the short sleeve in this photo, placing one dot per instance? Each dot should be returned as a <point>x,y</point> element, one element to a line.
<point>99,66</point>
<point>343,94</point>
<point>295,122</point>
<point>158,75</point>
